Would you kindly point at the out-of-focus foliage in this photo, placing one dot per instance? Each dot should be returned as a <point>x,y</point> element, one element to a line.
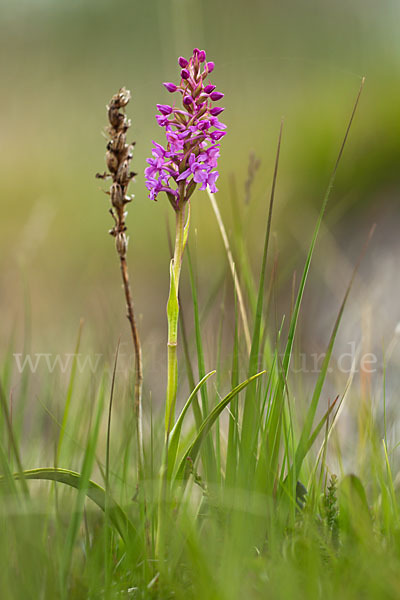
<point>61,62</point>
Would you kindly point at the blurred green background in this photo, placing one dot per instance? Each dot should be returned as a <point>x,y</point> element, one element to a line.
<point>302,60</point>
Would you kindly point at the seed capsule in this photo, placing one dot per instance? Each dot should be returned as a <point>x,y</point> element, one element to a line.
<point>117,197</point>
<point>121,244</point>
<point>124,175</point>
<point>115,117</point>
<point>118,142</point>
<point>124,96</point>
<point>111,161</point>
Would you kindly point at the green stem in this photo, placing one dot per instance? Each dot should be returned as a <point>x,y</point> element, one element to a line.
<point>182,229</point>
<point>182,226</point>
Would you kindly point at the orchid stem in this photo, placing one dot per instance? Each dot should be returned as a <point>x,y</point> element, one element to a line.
<point>182,229</point>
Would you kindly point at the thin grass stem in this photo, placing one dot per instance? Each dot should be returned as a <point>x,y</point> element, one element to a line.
<point>232,267</point>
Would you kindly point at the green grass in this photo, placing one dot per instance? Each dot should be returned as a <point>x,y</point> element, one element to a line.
<point>227,487</point>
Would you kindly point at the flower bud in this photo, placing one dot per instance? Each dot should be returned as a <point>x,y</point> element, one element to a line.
<point>171,87</point>
<point>209,88</point>
<point>202,56</point>
<point>183,62</point>
<point>217,110</point>
<point>164,109</point>
<point>210,67</point>
<point>185,74</point>
<point>216,96</point>
<point>195,61</point>
<point>188,100</point>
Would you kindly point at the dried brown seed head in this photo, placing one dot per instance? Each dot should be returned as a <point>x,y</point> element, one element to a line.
<point>118,157</point>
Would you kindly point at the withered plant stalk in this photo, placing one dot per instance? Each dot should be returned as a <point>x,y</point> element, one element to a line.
<point>118,157</point>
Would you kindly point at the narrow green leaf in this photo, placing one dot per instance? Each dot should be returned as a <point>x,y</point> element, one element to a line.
<point>390,483</point>
<point>176,431</point>
<point>69,394</point>
<point>7,477</point>
<point>11,435</point>
<point>194,448</point>
<point>354,513</point>
<point>95,492</point>
<point>9,362</point>
<point>302,447</point>
<point>110,405</point>
<point>233,433</point>
<point>87,465</point>
<point>275,421</point>
<point>320,425</point>
<point>251,412</point>
<point>208,452</point>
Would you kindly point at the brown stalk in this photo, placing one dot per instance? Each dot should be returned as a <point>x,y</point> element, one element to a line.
<point>118,157</point>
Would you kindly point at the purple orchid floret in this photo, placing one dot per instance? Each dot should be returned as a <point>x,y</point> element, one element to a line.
<point>192,131</point>
<point>217,110</point>
<point>216,96</point>
<point>171,87</point>
<point>164,109</point>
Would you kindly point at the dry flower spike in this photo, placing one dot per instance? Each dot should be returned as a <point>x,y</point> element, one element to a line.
<point>118,158</point>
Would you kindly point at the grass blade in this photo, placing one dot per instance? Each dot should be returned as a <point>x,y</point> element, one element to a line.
<point>303,444</point>
<point>176,431</point>
<point>250,412</point>
<point>95,492</point>
<point>11,436</point>
<point>233,432</point>
<point>77,514</point>
<point>231,262</point>
<point>208,453</point>
<point>194,448</point>
<point>108,441</point>
<point>275,420</point>
<point>69,393</point>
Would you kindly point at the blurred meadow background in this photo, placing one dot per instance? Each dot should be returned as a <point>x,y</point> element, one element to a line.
<point>286,527</point>
<point>301,60</point>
